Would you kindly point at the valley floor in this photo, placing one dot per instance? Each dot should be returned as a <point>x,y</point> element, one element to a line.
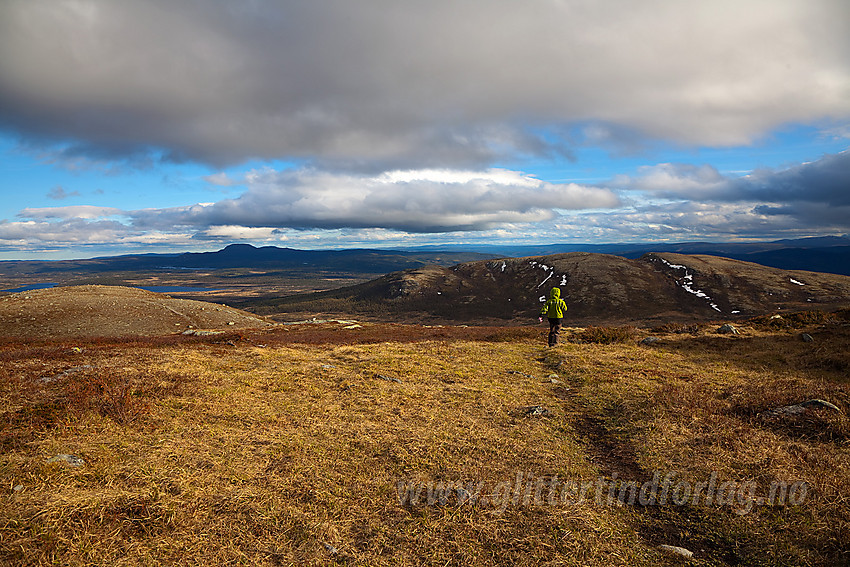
<point>402,445</point>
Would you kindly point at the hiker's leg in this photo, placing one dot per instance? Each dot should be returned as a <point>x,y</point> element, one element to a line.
<point>554,327</point>
<point>555,332</point>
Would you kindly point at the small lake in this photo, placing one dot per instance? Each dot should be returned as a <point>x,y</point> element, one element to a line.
<point>31,287</point>
<point>174,288</point>
<point>156,288</point>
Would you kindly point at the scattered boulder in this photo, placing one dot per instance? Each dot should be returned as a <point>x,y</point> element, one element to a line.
<point>728,329</point>
<point>72,460</point>
<point>676,550</point>
<point>649,340</point>
<point>799,409</point>
<point>807,338</point>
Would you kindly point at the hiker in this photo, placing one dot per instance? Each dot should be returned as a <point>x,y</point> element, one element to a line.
<point>554,309</point>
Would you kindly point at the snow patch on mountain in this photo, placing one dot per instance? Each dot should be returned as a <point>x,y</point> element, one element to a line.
<point>687,283</point>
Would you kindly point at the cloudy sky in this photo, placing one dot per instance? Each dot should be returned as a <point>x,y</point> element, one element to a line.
<point>171,125</point>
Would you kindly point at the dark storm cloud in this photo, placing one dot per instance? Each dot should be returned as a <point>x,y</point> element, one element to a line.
<point>812,196</point>
<point>825,182</point>
<point>815,193</point>
<point>380,84</point>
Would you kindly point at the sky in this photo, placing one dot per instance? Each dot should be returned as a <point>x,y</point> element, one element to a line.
<point>184,125</point>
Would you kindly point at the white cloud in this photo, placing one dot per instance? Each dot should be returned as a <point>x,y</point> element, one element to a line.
<point>70,212</point>
<point>412,201</point>
<point>231,233</point>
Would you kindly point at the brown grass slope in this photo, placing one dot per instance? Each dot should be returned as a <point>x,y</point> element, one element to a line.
<point>598,288</point>
<point>286,446</point>
<point>111,311</point>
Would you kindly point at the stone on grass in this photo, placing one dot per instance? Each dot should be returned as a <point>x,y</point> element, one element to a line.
<point>801,408</point>
<point>535,411</point>
<point>676,550</point>
<point>807,338</point>
<point>388,378</point>
<point>201,333</point>
<point>72,460</point>
<point>728,329</point>
<point>520,373</point>
<point>649,340</point>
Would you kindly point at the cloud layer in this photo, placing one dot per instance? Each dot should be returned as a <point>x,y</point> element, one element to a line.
<point>815,194</point>
<point>297,207</point>
<point>412,84</point>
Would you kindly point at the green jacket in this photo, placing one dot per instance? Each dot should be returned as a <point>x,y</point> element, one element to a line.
<point>555,308</point>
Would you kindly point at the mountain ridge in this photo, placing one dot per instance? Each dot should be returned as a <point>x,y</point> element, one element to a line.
<point>598,288</point>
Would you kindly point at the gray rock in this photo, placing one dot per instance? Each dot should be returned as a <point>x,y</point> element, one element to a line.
<point>200,333</point>
<point>535,411</point>
<point>388,378</point>
<point>18,487</point>
<point>64,374</point>
<point>649,340</point>
<point>520,373</point>
<point>72,460</point>
<point>676,550</point>
<point>799,409</point>
<point>728,329</point>
<point>807,338</point>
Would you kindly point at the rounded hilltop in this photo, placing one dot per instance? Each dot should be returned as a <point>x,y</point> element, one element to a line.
<point>112,311</point>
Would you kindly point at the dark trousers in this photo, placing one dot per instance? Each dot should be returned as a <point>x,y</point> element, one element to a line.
<point>554,327</point>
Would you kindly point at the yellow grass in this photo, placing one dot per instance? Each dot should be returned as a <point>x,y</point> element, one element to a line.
<point>291,454</point>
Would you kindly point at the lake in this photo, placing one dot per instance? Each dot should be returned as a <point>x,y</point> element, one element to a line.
<point>156,288</point>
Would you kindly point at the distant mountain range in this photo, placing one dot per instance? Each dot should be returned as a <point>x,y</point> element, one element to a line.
<point>353,261</point>
<point>599,288</point>
<point>825,254</point>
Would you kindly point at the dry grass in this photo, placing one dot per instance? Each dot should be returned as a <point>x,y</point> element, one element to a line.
<point>606,335</point>
<point>282,448</point>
